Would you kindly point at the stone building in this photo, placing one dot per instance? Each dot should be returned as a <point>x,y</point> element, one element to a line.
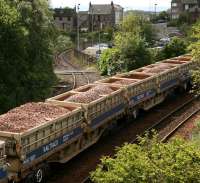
<point>104,15</point>
<point>98,16</point>
<point>65,18</point>
<point>192,7</point>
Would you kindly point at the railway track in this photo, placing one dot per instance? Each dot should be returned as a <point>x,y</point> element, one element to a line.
<point>167,132</point>
<point>78,169</point>
<point>79,77</point>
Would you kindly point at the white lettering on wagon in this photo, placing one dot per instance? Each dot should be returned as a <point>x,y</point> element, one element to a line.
<point>50,146</point>
<point>67,136</point>
<point>31,158</point>
<point>139,97</point>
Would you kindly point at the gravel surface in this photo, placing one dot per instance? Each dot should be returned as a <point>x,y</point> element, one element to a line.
<point>85,97</point>
<point>90,95</point>
<point>102,90</point>
<point>124,82</point>
<point>28,116</point>
<point>156,70</point>
<point>186,130</point>
<point>159,68</point>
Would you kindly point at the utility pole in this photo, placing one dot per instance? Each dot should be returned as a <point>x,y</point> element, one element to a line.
<point>92,26</point>
<point>78,35</point>
<point>155,9</point>
<point>100,28</point>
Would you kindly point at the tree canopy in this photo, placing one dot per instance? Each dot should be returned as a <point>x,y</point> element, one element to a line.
<point>152,162</point>
<point>138,25</point>
<point>26,54</point>
<point>195,49</point>
<point>174,48</point>
<point>131,47</point>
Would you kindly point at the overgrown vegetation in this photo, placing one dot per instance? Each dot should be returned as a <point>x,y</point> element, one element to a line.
<point>62,43</point>
<point>176,47</point>
<point>26,54</point>
<point>163,16</point>
<point>151,161</point>
<point>195,49</point>
<point>196,133</point>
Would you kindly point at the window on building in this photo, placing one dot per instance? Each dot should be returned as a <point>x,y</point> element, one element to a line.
<point>68,18</point>
<point>174,4</point>
<point>60,18</point>
<point>186,6</point>
<point>175,17</point>
<point>99,18</point>
<point>174,10</point>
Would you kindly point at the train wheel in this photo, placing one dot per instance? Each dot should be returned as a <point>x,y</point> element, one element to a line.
<point>185,86</point>
<point>29,178</point>
<point>135,113</point>
<point>39,175</point>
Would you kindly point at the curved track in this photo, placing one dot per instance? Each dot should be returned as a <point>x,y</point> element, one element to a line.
<point>79,77</point>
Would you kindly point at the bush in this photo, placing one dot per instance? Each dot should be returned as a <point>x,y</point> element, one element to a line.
<point>133,51</point>
<point>174,48</point>
<point>195,48</point>
<point>109,61</point>
<point>151,161</point>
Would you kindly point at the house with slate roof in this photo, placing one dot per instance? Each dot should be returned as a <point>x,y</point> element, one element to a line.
<point>192,7</point>
<point>104,15</point>
<point>65,18</point>
<point>97,17</point>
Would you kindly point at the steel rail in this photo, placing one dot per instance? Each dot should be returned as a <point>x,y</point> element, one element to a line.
<point>74,72</point>
<point>195,109</point>
<point>69,72</point>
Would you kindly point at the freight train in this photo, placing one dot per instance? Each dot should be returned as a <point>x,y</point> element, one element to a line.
<point>90,111</point>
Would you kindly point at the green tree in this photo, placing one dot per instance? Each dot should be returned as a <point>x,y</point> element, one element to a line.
<point>136,24</point>
<point>12,55</point>
<point>109,62</point>
<point>133,51</point>
<point>174,48</point>
<point>130,53</point>
<point>196,133</point>
<point>62,43</point>
<point>163,15</point>
<point>26,54</point>
<point>195,49</point>
<point>131,46</point>
<point>152,162</point>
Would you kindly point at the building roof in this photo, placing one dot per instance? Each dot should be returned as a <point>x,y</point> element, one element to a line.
<point>101,9</point>
<point>174,1</point>
<point>189,1</point>
<point>83,12</point>
<point>64,12</point>
<point>118,7</point>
